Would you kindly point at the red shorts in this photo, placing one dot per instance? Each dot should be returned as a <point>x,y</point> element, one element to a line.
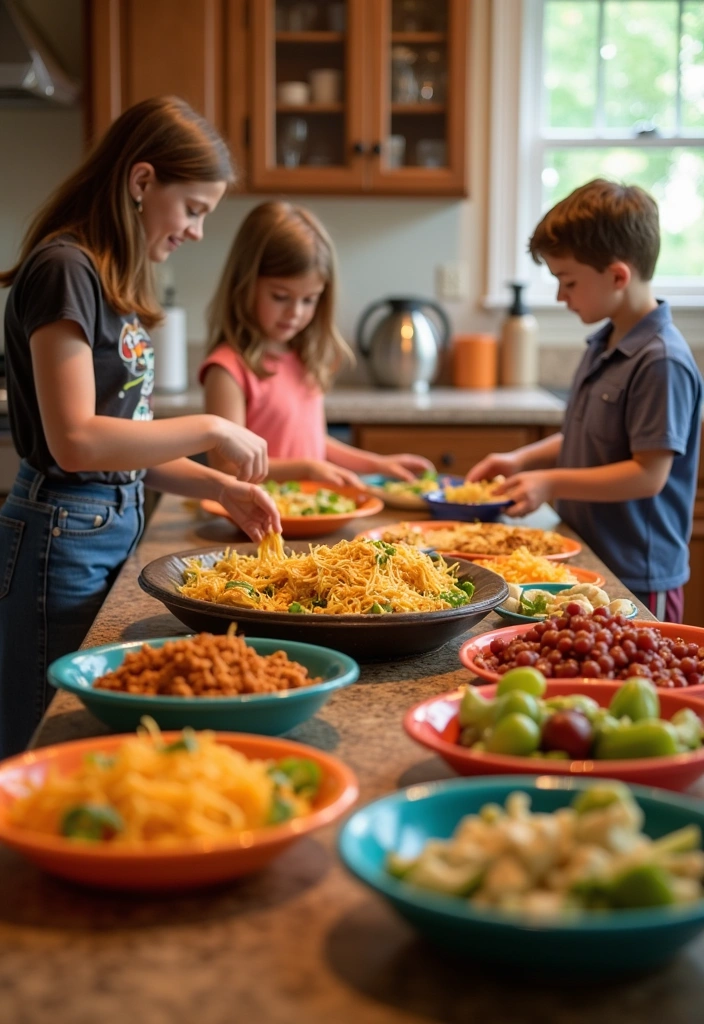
<point>665,605</point>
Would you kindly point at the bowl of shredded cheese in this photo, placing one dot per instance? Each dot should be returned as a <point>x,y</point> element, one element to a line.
<point>167,810</point>
<point>476,501</point>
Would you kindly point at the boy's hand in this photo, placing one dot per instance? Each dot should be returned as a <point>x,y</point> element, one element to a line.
<point>329,473</point>
<point>527,491</point>
<point>251,508</point>
<point>497,464</point>
<point>404,466</point>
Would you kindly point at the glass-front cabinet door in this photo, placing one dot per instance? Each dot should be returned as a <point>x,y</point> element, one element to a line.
<point>419,79</point>
<point>308,96</point>
<point>359,96</point>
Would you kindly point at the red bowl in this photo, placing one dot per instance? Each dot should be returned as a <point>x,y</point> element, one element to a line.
<point>434,724</point>
<point>480,645</point>
<point>191,863</point>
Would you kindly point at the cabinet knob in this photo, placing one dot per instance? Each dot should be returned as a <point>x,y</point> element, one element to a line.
<point>376,149</point>
<point>359,148</point>
<point>447,459</point>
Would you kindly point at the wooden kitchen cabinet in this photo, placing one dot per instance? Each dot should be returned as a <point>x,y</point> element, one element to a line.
<point>452,449</point>
<point>393,122</point>
<point>387,116</point>
<point>195,49</point>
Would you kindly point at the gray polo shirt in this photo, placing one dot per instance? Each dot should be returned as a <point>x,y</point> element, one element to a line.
<point>643,395</point>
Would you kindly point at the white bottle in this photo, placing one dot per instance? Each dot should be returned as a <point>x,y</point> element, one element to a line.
<point>170,347</point>
<point>519,348</point>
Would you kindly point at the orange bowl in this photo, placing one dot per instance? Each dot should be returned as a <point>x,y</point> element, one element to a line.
<point>427,526</point>
<point>480,645</point>
<point>434,724</point>
<point>191,863</point>
<point>293,527</point>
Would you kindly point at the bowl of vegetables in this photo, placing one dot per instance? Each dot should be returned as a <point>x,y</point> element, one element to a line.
<point>533,602</point>
<point>526,871</point>
<point>630,731</point>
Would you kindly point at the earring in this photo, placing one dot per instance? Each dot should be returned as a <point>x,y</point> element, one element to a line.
<point>138,204</point>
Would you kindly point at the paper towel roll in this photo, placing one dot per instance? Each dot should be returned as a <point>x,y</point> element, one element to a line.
<point>170,351</point>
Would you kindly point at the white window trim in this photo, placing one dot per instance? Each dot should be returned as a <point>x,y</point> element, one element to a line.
<point>514,182</point>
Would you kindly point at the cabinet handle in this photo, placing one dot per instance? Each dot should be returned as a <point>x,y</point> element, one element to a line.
<point>359,148</point>
<point>447,459</point>
<point>376,149</point>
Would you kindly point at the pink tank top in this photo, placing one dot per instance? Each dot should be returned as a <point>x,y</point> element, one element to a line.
<point>285,409</point>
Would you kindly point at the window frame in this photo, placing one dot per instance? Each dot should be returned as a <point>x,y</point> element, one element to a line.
<point>517,141</point>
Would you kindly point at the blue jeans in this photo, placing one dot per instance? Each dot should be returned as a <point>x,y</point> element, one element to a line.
<point>61,548</point>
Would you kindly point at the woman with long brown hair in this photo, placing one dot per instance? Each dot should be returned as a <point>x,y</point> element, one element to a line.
<point>80,373</point>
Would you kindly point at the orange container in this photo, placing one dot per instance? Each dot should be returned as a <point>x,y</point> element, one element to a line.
<point>474,361</point>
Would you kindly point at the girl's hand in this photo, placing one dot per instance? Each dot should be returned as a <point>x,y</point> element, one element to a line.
<point>251,508</point>
<point>329,473</point>
<point>406,467</point>
<point>497,464</point>
<point>527,491</point>
<point>244,450</point>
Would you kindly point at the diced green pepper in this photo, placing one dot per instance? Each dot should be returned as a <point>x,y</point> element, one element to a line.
<point>303,774</point>
<point>94,822</point>
<point>295,608</point>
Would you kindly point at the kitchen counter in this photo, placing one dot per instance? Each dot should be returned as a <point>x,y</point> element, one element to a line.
<point>457,406</point>
<point>301,942</point>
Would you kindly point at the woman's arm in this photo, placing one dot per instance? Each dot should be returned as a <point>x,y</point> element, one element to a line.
<point>81,441</point>
<point>249,505</point>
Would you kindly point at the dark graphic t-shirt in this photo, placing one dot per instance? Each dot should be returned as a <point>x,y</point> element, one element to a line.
<point>58,281</point>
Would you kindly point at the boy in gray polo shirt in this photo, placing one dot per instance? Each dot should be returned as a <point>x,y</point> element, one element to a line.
<point>623,472</point>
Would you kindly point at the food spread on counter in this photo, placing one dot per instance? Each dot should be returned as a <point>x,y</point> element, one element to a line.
<point>599,646</point>
<point>591,856</point>
<point>518,721</point>
<point>204,666</point>
<point>478,538</point>
<point>148,791</point>
<point>423,484</point>
<point>523,567</point>
<point>539,604</point>
<point>292,501</point>
<point>356,577</point>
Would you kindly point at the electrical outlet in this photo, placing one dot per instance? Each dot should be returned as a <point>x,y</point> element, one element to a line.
<point>452,280</point>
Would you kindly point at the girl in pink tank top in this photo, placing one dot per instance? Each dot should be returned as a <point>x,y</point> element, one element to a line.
<point>273,349</point>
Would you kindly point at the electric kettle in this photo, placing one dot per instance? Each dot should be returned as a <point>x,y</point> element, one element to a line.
<point>403,348</point>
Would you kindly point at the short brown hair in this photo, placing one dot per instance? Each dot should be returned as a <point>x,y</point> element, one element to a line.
<point>278,239</point>
<point>94,204</point>
<point>600,222</point>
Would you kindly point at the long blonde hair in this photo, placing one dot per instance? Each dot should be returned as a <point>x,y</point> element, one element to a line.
<point>95,207</point>
<point>278,239</point>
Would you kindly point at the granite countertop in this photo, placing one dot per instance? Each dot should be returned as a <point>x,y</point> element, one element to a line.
<point>521,406</point>
<point>301,942</point>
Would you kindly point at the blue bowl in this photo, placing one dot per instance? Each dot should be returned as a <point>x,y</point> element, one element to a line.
<point>553,588</point>
<point>465,512</point>
<point>595,942</point>
<point>269,714</point>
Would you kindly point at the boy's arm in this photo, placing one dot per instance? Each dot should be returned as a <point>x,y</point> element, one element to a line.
<point>642,476</point>
<point>539,455</point>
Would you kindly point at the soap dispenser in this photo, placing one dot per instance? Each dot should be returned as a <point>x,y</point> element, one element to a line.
<point>519,348</point>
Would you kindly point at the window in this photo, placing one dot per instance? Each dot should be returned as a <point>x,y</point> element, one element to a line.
<point>611,88</point>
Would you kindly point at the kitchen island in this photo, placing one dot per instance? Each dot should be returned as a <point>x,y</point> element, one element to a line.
<point>302,942</point>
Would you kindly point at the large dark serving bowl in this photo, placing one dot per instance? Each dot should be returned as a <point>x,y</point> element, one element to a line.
<point>365,637</point>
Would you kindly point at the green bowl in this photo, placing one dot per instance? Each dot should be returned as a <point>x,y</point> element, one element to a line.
<point>595,943</point>
<point>552,588</point>
<point>269,714</point>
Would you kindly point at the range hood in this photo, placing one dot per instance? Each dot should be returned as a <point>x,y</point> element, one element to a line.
<point>29,75</point>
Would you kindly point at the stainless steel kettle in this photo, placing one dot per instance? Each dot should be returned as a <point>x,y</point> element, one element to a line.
<point>403,348</point>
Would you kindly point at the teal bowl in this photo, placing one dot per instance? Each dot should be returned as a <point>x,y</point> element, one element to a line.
<point>269,714</point>
<point>595,942</point>
<point>553,588</point>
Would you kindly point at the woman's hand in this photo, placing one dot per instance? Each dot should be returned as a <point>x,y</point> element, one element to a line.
<point>404,466</point>
<point>245,451</point>
<point>251,508</point>
<point>329,473</point>
<point>497,464</point>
